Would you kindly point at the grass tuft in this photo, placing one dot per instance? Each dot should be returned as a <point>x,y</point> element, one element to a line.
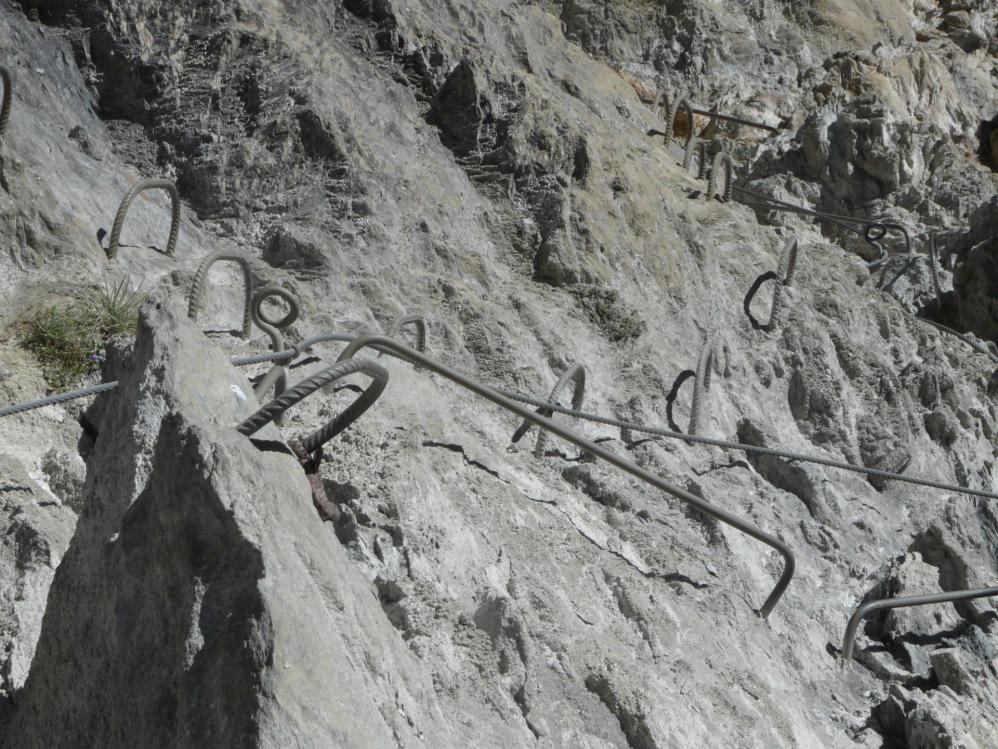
<point>69,340</point>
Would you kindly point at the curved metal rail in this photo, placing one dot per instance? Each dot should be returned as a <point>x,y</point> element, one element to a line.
<point>575,375</point>
<point>868,608</point>
<point>7,101</point>
<point>201,279</point>
<point>783,276</point>
<point>119,218</point>
<point>721,158</point>
<point>871,230</point>
<point>273,410</point>
<point>484,391</point>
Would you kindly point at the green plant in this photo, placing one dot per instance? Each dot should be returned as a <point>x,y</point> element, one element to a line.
<point>607,312</point>
<point>69,340</point>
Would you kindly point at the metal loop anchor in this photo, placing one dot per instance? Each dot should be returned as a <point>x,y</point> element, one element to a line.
<point>277,376</point>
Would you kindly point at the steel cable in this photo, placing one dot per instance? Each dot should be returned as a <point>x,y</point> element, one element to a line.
<point>201,279</point>
<point>659,431</point>
<point>119,218</point>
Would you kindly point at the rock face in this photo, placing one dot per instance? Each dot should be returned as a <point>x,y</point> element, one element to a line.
<point>488,165</point>
<point>199,634</point>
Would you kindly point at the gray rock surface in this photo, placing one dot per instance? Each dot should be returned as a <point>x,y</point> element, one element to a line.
<point>487,163</point>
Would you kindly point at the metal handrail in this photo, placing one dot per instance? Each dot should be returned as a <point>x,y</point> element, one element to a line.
<point>119,218</point>
<point>783,276</point>
<point>715,115</point>
<point>577,376</point>
<point>484,391</point>
<point>201,278</point>
<point>273,410</point>
<point>849,641</point>
<point>7,101</point>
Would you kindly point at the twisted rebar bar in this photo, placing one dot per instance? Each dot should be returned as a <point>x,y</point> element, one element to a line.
<point>868,608</point>
<point>575,375</point>
<point>277,377</point>
<point>119,218</point>
<point>484,391</point>
<point>721,158</point>
<point>8,99</point>
<point>273,410</point>
<point>419,323</point>
<point>701,146</point>
<point>783,276</point>
<point>701,384</point>
<point>933,259</point>
<point>965,338</point>
<point>201,278</point>
<point>708,361</point>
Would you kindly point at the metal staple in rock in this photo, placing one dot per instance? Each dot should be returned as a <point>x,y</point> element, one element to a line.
<point>119,218</point>
<point>696,144</point>
<point>868,608</point>
<point>721,158</point>
<point>490,394</point>
<point>782,277</point>
<point>201,278</point>
<point>708,361</point>
<point>933,260</point>
<point>273,410</point>
<point>7,101</point>
<point>577,376</point>
<point>419,323</point>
